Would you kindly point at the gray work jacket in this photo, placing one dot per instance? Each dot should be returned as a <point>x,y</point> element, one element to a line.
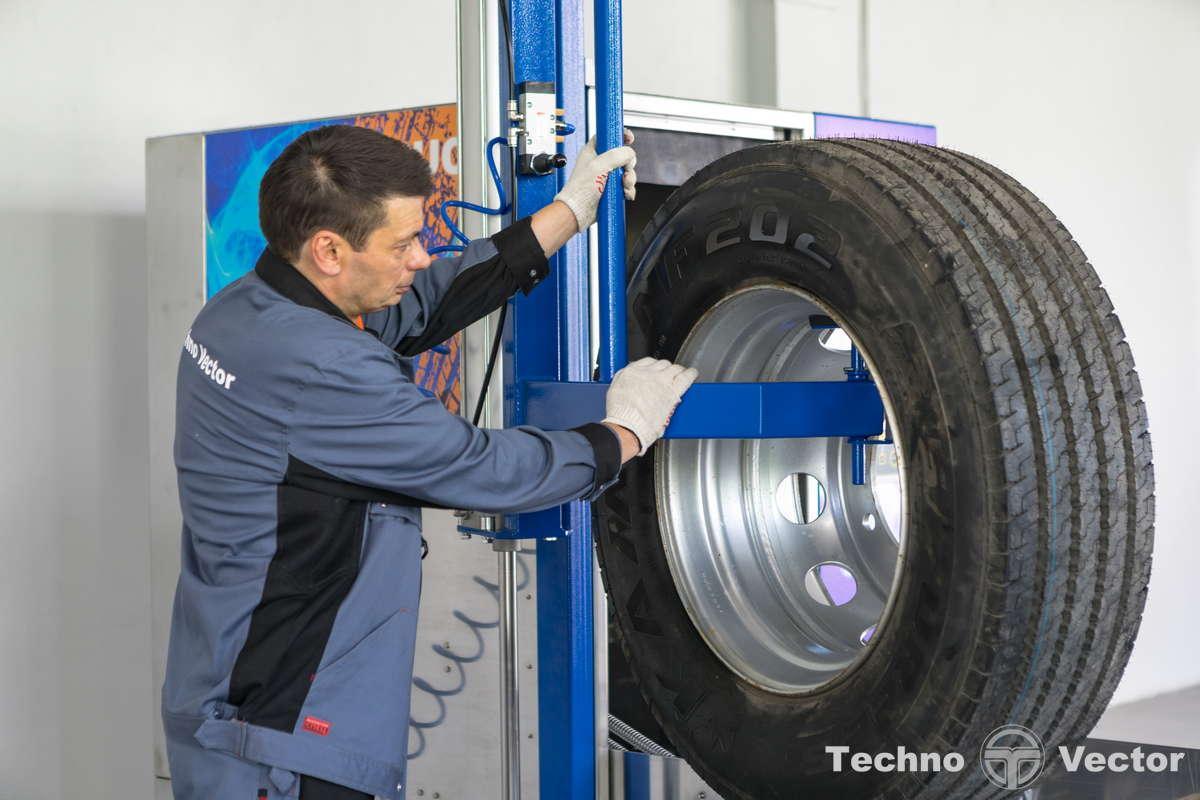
<point>304,452</point>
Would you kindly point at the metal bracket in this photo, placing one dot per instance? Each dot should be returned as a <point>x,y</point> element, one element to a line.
<point>857,373</point>
<point>476,523</point>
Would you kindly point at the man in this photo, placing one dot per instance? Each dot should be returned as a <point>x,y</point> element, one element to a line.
<point>304,452</point>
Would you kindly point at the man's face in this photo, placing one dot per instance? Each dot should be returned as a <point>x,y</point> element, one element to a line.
<point>383,271</point>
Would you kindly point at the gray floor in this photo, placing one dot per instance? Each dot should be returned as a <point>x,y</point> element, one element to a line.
<point>1170,719</point>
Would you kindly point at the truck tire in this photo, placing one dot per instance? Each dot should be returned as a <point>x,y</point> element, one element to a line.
<point>1007,575</point>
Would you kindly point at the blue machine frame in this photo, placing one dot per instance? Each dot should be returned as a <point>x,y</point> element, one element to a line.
<point>548,46</point>
<point>546,381</point>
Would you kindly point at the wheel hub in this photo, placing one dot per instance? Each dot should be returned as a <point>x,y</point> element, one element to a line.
<point>784,565</point>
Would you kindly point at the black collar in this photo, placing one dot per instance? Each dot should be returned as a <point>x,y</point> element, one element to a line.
<point>287,280</point>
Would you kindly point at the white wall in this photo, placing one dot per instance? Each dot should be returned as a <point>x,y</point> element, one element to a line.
<point>818,61</point>
<point>83,86</point>
<point>720,50</point>
<point>1090,103</point>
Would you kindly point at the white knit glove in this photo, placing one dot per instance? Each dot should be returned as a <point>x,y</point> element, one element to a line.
<point>643,396</point>
<point>590,175</point>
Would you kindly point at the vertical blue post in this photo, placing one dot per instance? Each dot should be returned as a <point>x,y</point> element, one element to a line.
<point>548,340</point>
<point>574,343</point>
<point>614,351</point>
<point>858,461</point>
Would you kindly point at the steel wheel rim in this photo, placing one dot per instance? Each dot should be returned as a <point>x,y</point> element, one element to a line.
<point>766,590</point>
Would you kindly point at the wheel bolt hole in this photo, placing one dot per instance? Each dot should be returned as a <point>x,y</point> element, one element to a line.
<point>869,521</point>
<point>831,584</point>
<point>835,339</point>
<point>800,498</point>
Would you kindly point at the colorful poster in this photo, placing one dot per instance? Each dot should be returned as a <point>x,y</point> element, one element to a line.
<point>235,162</point>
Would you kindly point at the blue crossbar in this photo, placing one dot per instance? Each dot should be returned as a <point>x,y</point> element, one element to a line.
<point>781,410</point>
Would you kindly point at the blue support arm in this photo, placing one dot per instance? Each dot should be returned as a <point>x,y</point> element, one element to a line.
<point>728,410</point>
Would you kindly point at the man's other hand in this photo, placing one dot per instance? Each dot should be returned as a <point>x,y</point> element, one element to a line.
<point>584,188</point>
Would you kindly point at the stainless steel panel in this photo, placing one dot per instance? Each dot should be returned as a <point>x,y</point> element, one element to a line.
<point>457,661</point>
<point>649,777</point>
<point>175,293</point>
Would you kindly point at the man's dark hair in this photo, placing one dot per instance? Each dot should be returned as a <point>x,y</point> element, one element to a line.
<point>337,177</point>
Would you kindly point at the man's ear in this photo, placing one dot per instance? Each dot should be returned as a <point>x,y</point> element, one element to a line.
<point>328,251</point>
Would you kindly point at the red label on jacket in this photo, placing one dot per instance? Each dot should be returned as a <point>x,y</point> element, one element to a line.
<point>318,726</point>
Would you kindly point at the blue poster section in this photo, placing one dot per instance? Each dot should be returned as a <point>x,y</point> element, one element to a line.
<point>234,164</point>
